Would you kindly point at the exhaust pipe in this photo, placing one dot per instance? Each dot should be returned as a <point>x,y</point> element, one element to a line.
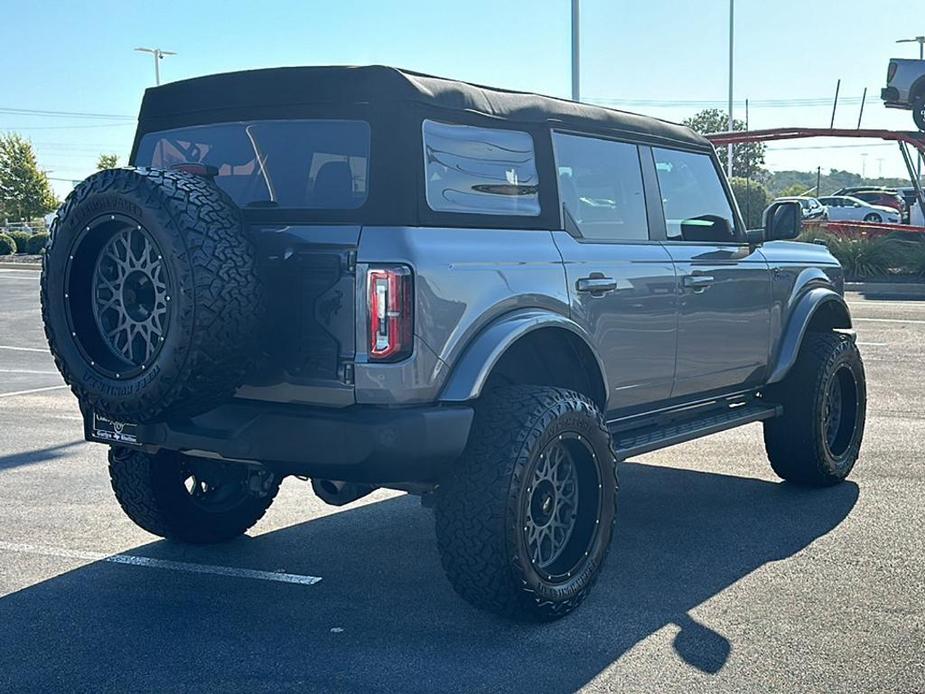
<point>338,493</point>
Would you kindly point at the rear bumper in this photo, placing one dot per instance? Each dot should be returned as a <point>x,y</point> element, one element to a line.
<point>359,444</point>
<point>890,95</point>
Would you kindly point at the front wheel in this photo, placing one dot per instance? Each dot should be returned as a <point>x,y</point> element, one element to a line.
<point>873,217</point>
<point>189,499</point>
<point>817,439</point>
<point>525,518</point>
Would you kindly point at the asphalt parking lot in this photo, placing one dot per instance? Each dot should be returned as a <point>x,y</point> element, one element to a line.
<point>721,577</point>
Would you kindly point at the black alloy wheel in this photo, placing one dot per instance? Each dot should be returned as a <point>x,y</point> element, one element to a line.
<point>561,505</point>
<point>130,298</point>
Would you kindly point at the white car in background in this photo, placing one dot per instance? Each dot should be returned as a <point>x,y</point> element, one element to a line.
<point>844,208</point>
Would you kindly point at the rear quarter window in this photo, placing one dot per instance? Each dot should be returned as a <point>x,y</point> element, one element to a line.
<point>476,170</point>
<point>315,164</point>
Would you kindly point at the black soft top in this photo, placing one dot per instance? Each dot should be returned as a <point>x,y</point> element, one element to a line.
<point>290,92</point>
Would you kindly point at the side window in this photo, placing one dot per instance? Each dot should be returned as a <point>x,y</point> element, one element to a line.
<point>480,170</point>
<point>600,187</point>
<point>693,197</point>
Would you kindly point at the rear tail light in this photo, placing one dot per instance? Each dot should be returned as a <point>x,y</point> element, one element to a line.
<point>891,72</point>
<point>391,313</point>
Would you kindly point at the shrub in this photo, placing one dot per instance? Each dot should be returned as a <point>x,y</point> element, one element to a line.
<point>915,261</point>
<point>36,243</point>
<point>7,245</point>
<point>866,258</point>
<point>21,238</point>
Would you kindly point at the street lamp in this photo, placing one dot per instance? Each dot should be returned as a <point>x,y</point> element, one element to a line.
<point>919,40</point>
<point>730,123</point>
<point>158,56</point>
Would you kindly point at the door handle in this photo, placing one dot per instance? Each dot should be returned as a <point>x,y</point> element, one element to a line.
<point>698,282</point>
<point>596,284</point>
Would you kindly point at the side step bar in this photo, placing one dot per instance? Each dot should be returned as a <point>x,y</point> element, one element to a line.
<point>654,437</point>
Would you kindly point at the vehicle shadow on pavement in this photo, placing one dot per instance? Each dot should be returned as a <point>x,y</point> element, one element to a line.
<point>38,455</point>
<point>682,538</point>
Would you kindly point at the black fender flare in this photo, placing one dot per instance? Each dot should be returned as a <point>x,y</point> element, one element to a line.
<point>472,369</point>
<point>806,307</point>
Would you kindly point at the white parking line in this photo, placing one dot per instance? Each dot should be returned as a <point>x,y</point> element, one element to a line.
<point>889,320</point>
<point>24,349</point>
<point>873,344</point>
<point>150,563</point>
<point>31,390</point>
<point>27,371</point>
<point>894,304</point>
<point>7,272</point>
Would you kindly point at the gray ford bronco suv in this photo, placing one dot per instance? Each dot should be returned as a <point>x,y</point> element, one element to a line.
<point>376,278</point>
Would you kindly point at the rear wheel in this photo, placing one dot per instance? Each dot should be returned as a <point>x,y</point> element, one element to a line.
<point>817,439</point>
<point>525,519</point>
<point>918,112</point>
<point>190,499</point>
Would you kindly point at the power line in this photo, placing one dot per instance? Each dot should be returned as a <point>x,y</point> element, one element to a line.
<point>64,127</point>
<point>60,114</point>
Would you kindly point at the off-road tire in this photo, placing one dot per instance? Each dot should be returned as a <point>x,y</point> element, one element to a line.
<point>918,111</point>
<point>214,298</point>
<point>150,489</point>
<point>480,505</point>
<point>796,442</point>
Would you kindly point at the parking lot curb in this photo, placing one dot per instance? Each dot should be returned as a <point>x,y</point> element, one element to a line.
<point>907,289</point>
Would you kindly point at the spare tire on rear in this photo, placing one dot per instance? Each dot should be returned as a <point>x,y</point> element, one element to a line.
<point>150,294</point>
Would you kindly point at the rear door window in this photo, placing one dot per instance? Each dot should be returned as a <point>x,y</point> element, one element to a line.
<point>476,170</point>
<point>317,164</point>
<point>693,197</point>
<point>600,187</point>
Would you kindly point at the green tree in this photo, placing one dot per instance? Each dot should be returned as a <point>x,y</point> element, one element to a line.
<point>752,198</point>
<point>25,192</point>
<point>747,159</point>
<point>107,161</point>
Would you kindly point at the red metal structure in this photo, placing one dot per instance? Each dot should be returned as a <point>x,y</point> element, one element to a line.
<point>904,140</point>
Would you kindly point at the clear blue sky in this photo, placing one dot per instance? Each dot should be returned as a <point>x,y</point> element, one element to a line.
<point>78,57</point>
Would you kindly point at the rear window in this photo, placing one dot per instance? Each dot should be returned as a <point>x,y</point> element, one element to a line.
<point>316,164</point>
<point>480,170</point>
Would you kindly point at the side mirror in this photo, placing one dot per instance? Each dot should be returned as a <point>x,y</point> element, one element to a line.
<point>782,221</point>
<point>755,237</point>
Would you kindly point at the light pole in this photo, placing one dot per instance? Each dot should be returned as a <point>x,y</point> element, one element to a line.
<point>919,40</point>
<point>730,123</point>
<point>158,57</point>
<point>576,91</point>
